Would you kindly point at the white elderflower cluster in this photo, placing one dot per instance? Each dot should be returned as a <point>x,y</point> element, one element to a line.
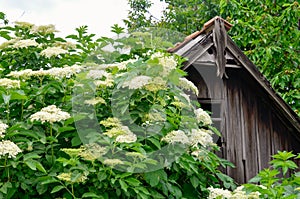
<point>111,122</point>
<point>67,177</point>
<point>44,29</point>
<point>238,193</point>
<point>156,84</point>
<point>3,128</point>
<point>21,74</point>
<point>97,74</point>
<point>53,52</point>
<point>112,162</point>
<point>24,43</point>
<point>203,117</point>
<point>201,136</point>
<point>168,62</point>
<point>57,73</point>
<point>137,82</point>
<point>188,85</point>
<point>218,193</point>
<point>108,82</point>
<point>94,101</point>
<point>65,45</point>
<point>9,148</point>
<point>50,114</point>
<point>9,84</point>
<point>23,24</point>
<point>92,151</point>
<point>65,72</point>
<point>127,136</point>
<point>176,136</point>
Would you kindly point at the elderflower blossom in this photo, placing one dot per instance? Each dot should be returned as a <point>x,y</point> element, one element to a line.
<point>50,114</point>
<point>53,52</point>
<point>127,137</point>
<point>72,152</point>
<point>65,45</point>
<point>9,148</point>
<point>8,83</point>
<point>67,177</point>
<point>201,136</point>
<point>97,74</point>
<point>202,116</point>
<point>21,74</point>
<point>3,128</point>
<point>24,43</point>
<point>188,85</point>
<point>137,82</point>
<point>108,82</point>
<point>92,151</point>
<point>94,101</point>
<point>24,24</point>
<point>111,122</point>
<point>44,29</point>
<point>156,84</point>
<point>168,62</point>
<point>218,193</point>
<point>65,72</point>
<point>176,136</point>
<point>112,162</point>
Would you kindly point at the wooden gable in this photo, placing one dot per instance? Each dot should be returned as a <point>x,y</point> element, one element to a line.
<point>255,122</point>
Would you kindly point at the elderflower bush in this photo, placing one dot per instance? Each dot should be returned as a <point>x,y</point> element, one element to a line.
<point>152,140</point>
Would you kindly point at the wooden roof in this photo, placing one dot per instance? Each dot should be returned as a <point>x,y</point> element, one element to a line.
<point>202,37</point>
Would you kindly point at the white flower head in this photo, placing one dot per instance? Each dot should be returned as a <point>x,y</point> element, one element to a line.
<point>200,136</point>
<point>50,114</point>
<point>176,136</point>
<point>44,29</point>
<point>203,117</point>
<point>137,82</point>
<point>168,62</point>
<point>217,192</point>
<point>24,43</point>
<point>97,74</point>
<point>3,128</point>
<point>94,101</point>
<point>53,52</point>
<point>9,148</point>
<point>188,85</point>
<point>8,83</point>
<point>112,162</point>
<point>127,136</point>
<point>21,74</point>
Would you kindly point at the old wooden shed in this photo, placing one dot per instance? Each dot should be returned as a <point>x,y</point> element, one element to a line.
<point>254,121</point>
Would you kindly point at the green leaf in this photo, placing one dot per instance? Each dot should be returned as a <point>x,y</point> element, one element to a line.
<point>31,155</point>
<point>40,167</point>
<point>195,181</point>
<point>57,188</point>
<point>154,177</point>
<point>133,181</point>
<point>123,184</point>
<point>31,164</point>
<point>91,195</point>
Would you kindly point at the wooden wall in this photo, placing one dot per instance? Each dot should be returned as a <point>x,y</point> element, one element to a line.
<point>251,127</point>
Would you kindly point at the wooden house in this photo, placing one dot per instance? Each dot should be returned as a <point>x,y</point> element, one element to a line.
<point>254,121</point>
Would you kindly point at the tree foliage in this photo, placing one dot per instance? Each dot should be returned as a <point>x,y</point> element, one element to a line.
<point>267,32</point>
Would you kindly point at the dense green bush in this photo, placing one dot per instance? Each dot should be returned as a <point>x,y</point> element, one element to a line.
<point>122,126</point>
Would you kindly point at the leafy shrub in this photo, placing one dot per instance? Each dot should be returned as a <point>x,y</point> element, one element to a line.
<point>122,129</point>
